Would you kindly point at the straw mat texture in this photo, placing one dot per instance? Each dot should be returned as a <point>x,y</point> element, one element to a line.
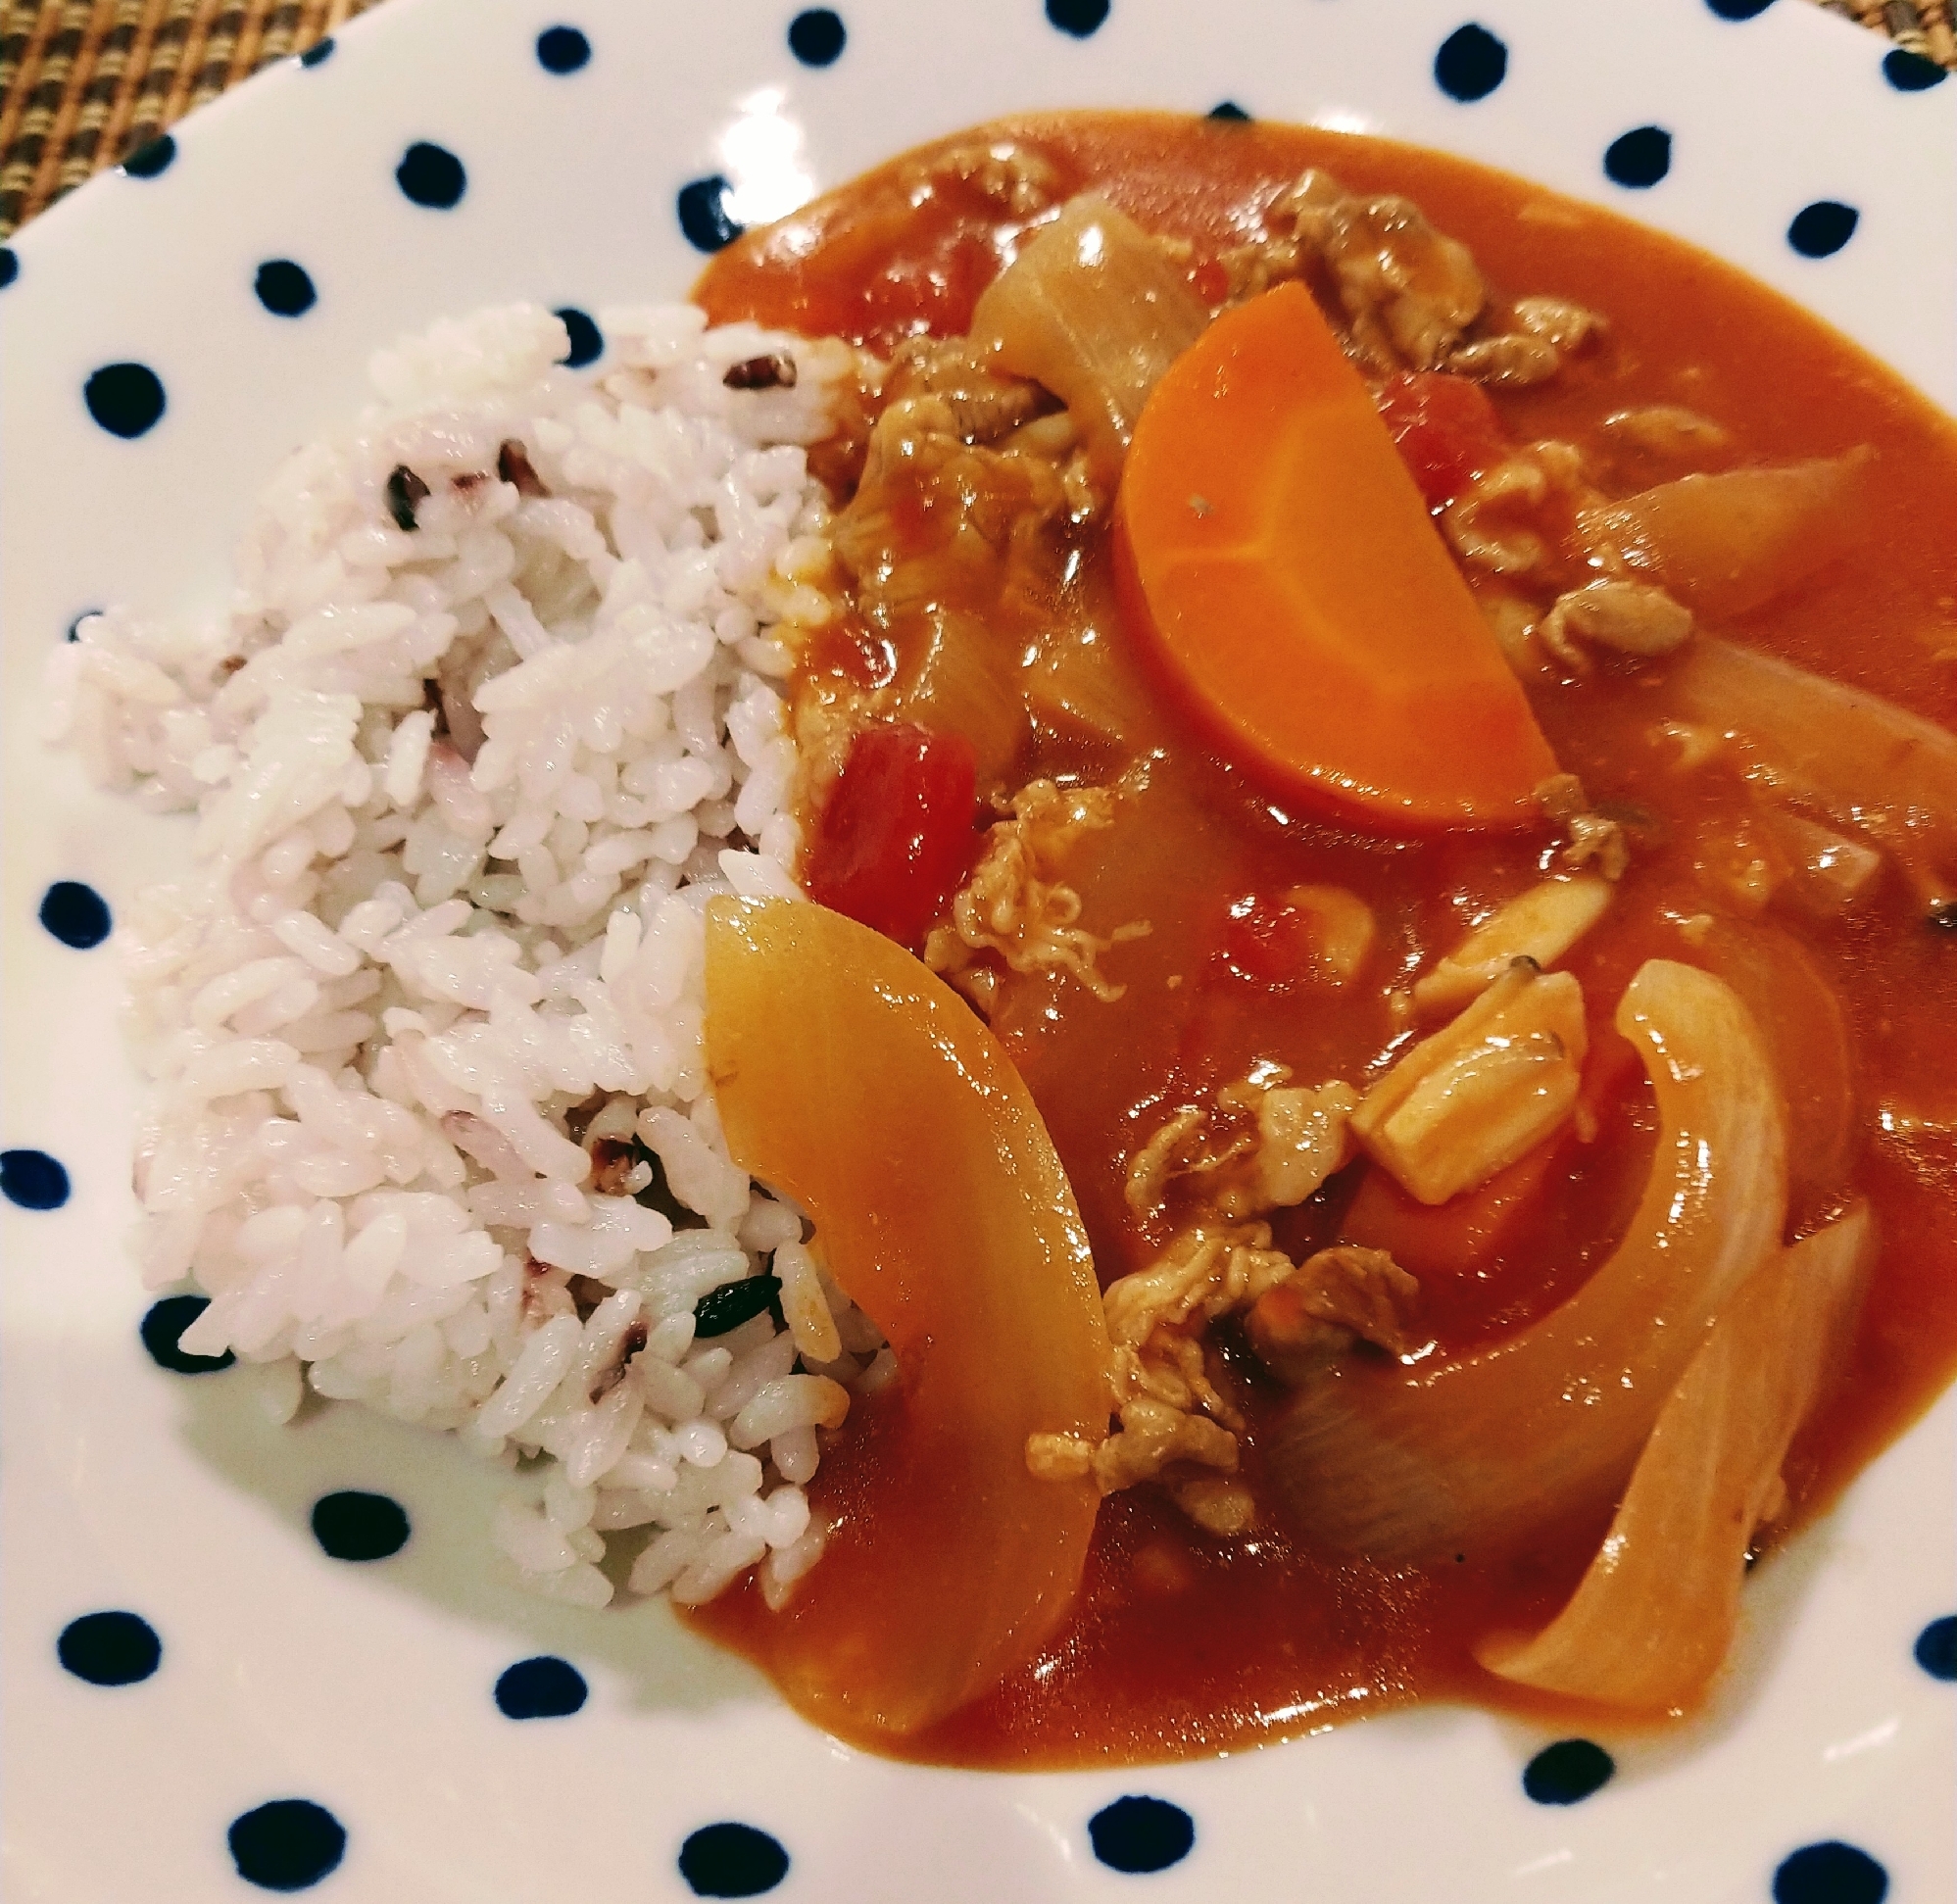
<point>86,82</point>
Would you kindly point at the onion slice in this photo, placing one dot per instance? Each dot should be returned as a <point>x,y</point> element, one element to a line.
<point>1405,1465</point>
<point>1654,1615</point>
<point>1871,765</point>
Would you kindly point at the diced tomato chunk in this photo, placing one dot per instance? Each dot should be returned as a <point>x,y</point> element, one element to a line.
<point>1209,281</point>
<point>1267,941</point>
<point>895,836</point>
<point>1446,430</point>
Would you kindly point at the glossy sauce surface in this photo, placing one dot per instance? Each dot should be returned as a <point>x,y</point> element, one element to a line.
<point>1181,1644</point>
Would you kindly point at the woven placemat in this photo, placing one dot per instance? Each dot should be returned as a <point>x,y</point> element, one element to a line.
<point>86,82</point>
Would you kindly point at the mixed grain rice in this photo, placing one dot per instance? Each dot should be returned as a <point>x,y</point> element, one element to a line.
<point>494,710</point>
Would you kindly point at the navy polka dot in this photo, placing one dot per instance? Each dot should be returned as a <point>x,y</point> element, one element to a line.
<point>1567,1772</point>
<point>1471,64</point>
<point>1937,1648</point>
<point>284,288</point>
<point>110,1648</point>
<point>1739,9</point>
<point>563,49</point>
<point>125,399</point>
<point>288,1845</point>
<point>1821,229</point>
<point>431,175</point>
<point>1638,157</point>
<point>1137,1834</point>
<point>587,341</point>
<point>817,37</point>
<point>75,626</point>
<point>151,157</point>
<point>10,265</point>
<point>1831,1873</point>
<point>1228,110</point>
<point>1080,17</point>
<point>319,53</point>
<point>704,216</point>
<point>1909,71</point>
<point>164,1324</point>
<point>357,1525</point>
<point>32,1179</point>
<point>76,914</point>
<point>544,1688</point>
<point>732,1861</point>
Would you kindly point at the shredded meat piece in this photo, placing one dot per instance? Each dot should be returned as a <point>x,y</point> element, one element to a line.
<point>1512,357</point>
<point>1631,618</point>
<point>1592,836</point>
<point>1512,517</point>
<point>1017,906</point>
<point>1411,292</point>
<point>983,404</point>
<point>1169,1411</point>
<point>1263,1145</point>
<point>1568,326</point>
<point>1016,179</point>
<point>1337,1297</point>
<point>1668,430</point>
<point>1483,522</point>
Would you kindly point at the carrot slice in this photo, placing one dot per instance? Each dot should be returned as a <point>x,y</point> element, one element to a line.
<point>1300,592</point>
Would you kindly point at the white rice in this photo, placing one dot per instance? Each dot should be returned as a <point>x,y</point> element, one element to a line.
<point>393,973</point>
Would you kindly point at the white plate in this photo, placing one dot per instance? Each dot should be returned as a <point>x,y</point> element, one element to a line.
<point>367,1689</point>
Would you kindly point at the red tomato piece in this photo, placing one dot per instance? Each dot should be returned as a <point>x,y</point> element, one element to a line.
<point>895,836</point>
<point>1446,430</point>
<point>1266,941</point>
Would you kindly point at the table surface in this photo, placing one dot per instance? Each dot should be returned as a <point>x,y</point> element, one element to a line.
<point>83,83</point>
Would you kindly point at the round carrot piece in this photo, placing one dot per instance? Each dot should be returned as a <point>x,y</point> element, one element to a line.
<point>1300,592</point>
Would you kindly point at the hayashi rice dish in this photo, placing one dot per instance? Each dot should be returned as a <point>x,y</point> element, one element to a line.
<point>1351,1122</point>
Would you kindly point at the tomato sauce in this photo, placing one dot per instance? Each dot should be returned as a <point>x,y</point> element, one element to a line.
<point>1180,1643</point>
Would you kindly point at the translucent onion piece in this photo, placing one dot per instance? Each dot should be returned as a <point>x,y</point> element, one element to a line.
<point>1654,1615</point>
<point>850,1077</point>
<point>1872,766</point>
<point>1404,1465</point>
<point>1728,544</point>
<point>1093,309</point>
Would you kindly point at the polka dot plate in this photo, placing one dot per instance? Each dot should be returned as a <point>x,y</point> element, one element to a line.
<point>242,1659</point>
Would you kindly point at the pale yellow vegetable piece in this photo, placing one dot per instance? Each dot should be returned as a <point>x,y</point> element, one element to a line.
<point>1096,311</point>
<point>1540,924</point>
<point>1654,1615</point>
<point>853,1080</point>
<point>1472,1099</point>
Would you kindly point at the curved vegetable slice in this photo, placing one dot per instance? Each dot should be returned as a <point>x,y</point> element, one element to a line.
<point>1873,765</point>
<point>1728,544</point>
<point>1299,591</point>
<point>1404,1467</point>
<point>851,1078</point>
<point>1654,1614</point>
<point>1095,309</point>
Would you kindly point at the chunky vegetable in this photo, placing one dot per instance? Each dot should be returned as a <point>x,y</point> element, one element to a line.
<point>1730,543</point>
<point>1868,762</point>
<point>1093,309</point>
<point>853,1081</point>
<point>896,835</point>
<point>1278,548</point>
<point>1403,1466</point>
<point>1654,1615</point>
<point>1445,429</point>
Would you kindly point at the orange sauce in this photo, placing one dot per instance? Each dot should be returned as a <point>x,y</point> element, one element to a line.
<point>1181,1644</point>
